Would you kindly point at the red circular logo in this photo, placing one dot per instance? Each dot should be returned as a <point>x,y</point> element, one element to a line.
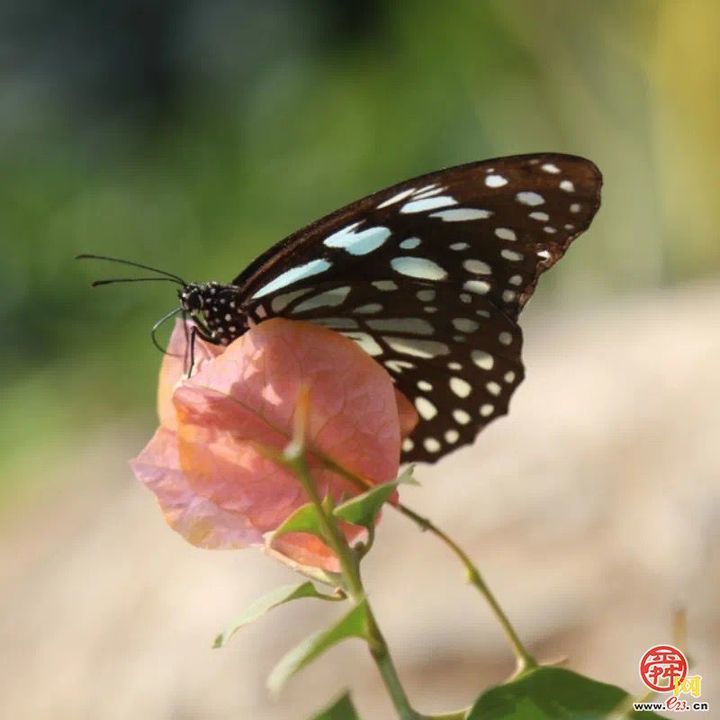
<point>661,665</point>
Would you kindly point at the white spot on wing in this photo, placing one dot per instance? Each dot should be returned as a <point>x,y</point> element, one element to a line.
<point>426,409</point>
<point>432,190</point>
<point>452,436</point>
<point>418,267</point>
<point>366,342</point>
<point>330,298</point>
<point>369,309</point>
<point>358,243</point>
<point>511,255</point>
<point>487,409</point>
<point>432,445</point>
<point>493,388</point>
<point>465,325</point>
<point>460,387</point>
<point>398,365</point>
<point>459,246</point>
<point>385,284</point>
<point>550,168</point>
<point>480,287</point>
<point>541,216</point>
<point>279,303</point>
<point>462,214</point>
<point>416,206</point>
<point>567,186</point>
<point>495,181</point>
<point>396,198</point>
<point>410,243</point>
<point>485,361</point>
<point>461,417</point>
<point>530,198</point>
<point>478,267</point>
<point>417,348</point>
<point>314,267</point>
<point>505,234</point>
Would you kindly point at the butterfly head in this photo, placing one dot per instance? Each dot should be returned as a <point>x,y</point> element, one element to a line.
<point>214,309</point>
<point>195,297</point>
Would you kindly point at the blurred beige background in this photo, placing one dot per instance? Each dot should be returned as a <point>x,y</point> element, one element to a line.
<point>193,135</point>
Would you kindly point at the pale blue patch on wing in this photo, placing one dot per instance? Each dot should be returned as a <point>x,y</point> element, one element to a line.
<point>329,298</point>
<point>358,243</point>
<point>410,243</point>
<point>293,275</point>
<point>462,214</point>
<point>430,203</point>
<point>418,267</point>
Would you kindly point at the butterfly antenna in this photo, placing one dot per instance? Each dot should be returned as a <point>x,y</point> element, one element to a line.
<point>176,278</point>
<point>156,327</point>
<point>112,281</point>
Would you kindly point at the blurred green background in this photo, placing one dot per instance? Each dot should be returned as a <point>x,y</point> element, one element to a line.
<point>192,135</point>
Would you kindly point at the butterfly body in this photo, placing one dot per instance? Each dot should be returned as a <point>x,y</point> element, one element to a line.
<point>428,277</point>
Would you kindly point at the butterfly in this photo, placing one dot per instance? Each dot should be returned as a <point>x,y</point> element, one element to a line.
<point>428,277</point>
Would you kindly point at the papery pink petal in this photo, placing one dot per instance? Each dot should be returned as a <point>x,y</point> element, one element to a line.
<point>198,519</point>
<point>173,367</point>
<point>256,382</point>
<point>206,467</point>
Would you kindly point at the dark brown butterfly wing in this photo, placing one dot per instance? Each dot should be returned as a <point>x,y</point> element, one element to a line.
<point>429,277</point>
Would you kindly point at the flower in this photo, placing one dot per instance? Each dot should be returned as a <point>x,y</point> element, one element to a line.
<point>205,463</point>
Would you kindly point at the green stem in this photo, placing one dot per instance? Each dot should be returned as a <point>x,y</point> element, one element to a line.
<point>331,532</point>
<point>524,660</point>
<point>381,654</point>
<point>351,574</point>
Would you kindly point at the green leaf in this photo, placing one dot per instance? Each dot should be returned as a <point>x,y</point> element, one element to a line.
<point>341,709</point>
<point>304,519</point>
<point>406,477</point>
<point>354,624</point>
<point>362,509</point>
<point>279,596</point>
<point>548,693</point>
